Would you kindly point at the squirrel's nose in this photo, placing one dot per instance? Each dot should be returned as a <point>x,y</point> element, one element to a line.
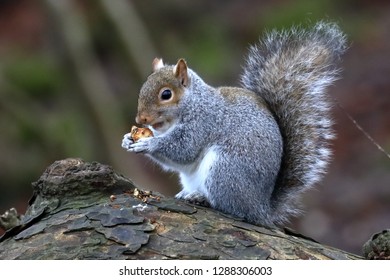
<point>143,119</point>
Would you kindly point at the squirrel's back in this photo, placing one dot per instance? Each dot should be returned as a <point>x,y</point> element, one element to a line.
<point>290,71</point>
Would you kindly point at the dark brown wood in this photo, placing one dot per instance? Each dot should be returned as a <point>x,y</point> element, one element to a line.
<point>83,210</point>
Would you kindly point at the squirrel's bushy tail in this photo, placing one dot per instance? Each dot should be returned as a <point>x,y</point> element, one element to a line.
<point>290,71</point>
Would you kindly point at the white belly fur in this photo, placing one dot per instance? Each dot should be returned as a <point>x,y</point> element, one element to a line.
<point>193,178</point>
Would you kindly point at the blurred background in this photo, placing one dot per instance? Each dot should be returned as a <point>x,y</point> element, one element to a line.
<point>70,72</point>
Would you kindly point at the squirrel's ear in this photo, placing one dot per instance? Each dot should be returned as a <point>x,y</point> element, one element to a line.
<point>180,71</point>
<point>157,64</point>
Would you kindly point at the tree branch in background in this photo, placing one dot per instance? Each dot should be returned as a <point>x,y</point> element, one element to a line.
<point>93,82</point>
<point>101,100</point>
<point>133,34</point>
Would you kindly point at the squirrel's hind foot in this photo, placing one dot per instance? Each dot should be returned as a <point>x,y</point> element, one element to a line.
<point>194,198</point>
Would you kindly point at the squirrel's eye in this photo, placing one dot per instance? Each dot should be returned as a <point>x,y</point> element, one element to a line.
<point>166,94</point>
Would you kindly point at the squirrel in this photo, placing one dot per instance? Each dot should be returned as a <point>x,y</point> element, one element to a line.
<point>247,151</point>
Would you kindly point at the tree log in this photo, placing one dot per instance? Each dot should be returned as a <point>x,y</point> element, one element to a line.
<point>82,210</point>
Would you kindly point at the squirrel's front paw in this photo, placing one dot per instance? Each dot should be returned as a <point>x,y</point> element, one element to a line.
<point>127,141</point>
<point>143,145</point>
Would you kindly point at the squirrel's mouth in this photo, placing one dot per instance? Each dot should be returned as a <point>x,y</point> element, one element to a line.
<point>158,125</point>
<point>161,126</point>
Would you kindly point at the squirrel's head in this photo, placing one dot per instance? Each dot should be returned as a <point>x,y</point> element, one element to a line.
<point>160,95</point>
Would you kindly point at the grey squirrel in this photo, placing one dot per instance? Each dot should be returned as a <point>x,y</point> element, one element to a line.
<point>247,151</point>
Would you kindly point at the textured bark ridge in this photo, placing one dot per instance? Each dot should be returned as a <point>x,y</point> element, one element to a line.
<point>83,210</point>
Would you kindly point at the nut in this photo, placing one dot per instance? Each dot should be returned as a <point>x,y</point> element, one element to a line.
<point>140,132</point>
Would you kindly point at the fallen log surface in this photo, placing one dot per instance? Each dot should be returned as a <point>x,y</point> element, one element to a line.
<point>83,210</point>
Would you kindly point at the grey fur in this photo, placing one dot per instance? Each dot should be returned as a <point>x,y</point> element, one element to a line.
<point>250,151</point>
<point>290,70</point>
